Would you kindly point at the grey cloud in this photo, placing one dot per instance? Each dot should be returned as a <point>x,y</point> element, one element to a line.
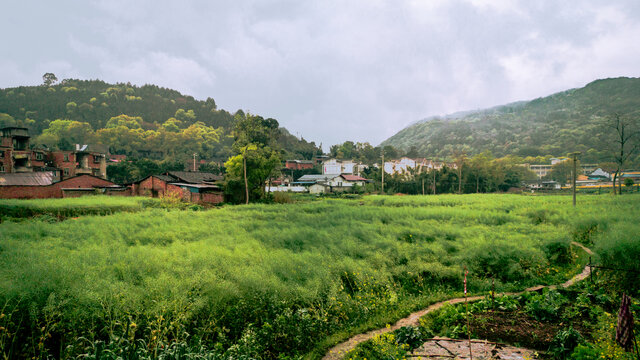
<point>331,70</point>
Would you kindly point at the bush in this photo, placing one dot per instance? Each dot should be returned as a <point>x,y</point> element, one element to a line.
<point>282,197</point>
<point>620,248</point>
<point>564,342</point>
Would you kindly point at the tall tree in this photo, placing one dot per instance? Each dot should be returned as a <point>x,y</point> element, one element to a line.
<point>257,154</point>
<point>626,142</point>
<point>49,79</point>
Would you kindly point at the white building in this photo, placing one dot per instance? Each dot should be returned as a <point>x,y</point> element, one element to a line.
<point>334,166</point>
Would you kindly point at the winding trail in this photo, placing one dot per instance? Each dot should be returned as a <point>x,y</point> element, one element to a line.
<point>338,351</point>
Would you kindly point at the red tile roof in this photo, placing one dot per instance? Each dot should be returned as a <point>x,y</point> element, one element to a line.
<point>353,178</point>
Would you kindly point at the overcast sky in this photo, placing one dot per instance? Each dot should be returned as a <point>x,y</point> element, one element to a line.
<point>329,70</point>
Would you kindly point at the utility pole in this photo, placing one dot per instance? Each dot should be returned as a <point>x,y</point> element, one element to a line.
<point>433,168</point>
<point>575,175</point>
<point>382,152</point>
<point>246,185</point>
<point>194,161</point>
<point>423,186</point>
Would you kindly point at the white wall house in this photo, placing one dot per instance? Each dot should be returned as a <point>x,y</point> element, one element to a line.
<point>334,166</point>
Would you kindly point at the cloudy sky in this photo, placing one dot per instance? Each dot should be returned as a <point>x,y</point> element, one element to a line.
<point>329,70</point>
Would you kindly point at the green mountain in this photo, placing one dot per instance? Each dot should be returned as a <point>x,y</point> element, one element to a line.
<point>554,125</point>
<point>144,122</point>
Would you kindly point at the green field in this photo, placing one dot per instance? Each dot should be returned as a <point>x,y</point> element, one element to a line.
<point>263,281</point>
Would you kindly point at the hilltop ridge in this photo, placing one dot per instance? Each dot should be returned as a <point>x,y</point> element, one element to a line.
<point>553,125</point>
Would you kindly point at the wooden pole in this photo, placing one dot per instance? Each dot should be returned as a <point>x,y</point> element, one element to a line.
<point>466,305</point>
<point>246,185</point>
<point>383,173</point>
<point>575,175</point>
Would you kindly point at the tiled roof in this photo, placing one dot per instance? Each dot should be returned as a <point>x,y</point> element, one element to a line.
<point>195,177</point>
<point>43,178</point>
<point>325,177</point>
<point>353,178</point>
<point>165,178</point>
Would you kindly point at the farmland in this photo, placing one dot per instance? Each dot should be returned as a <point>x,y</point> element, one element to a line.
<point>272,280</point>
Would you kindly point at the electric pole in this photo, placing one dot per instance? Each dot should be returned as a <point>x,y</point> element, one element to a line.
<point>194,161</point>
<point>575,175</point>
<point>246,185</point>
<point>382,153</point>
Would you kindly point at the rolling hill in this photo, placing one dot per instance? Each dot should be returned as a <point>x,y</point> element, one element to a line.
<point>157,122</point>
<point>554,125</point>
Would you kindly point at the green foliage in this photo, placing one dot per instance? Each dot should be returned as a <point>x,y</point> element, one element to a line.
<point>257,157</point>
<point>564,342</point>
<point>619,248</point>
<point>382,347</point>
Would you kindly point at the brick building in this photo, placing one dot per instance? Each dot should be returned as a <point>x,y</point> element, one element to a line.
<point>47,184</point>
<point>17,156</point>
<point>299,164</point>
<point>197,187</point>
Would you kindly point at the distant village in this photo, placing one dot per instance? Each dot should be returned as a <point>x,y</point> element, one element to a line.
<point>30,172</point>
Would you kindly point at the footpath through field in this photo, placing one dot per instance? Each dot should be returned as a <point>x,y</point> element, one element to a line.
<point>338,351</point>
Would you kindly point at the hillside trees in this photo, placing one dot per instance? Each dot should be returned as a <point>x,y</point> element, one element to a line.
<point>158,112</point>
<point>257,157</point>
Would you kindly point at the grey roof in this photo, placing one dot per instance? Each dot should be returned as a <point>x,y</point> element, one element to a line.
<point>165,178</point>
<point>600,172</point>
<point>317,178</point>
<point>41,178</point>
<point>198,186</point>
<point>194,177</point>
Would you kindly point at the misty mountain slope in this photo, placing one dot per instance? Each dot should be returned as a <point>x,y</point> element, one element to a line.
<point>553,125</point>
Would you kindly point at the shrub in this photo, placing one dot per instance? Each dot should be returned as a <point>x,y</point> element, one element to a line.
<point>558,251</point>
<point>620,248</point>
<point>564,342</point>
<point>282,197</point>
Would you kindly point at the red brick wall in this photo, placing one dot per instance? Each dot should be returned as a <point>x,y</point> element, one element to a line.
<point>146,187</point>
<point>29,192</point>
<point>58,161</point>
<point>6,159</point>
<point>212,198</point>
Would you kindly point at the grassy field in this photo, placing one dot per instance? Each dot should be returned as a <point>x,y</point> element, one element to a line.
<point>263,281</point>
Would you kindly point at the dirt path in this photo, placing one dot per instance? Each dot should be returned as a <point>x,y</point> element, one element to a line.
<point>338,351</point>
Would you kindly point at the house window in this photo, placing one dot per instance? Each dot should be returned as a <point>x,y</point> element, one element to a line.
<point>96,159</point>
<point>1,154</point>
<point>65,171</point>
<point>66,157</point>
<point>1,168</point>
<point>39,156</point>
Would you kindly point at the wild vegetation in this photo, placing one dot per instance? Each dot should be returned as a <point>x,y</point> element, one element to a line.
<point>568,121</point>
<point>282,280</point>
<point>575,323</point>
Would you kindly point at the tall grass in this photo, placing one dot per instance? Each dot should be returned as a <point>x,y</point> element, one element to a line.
<point>272,280</point>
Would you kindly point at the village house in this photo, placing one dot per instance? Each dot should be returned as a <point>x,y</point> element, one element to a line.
<point>16,156</point>
<point>197,187</point>
<point>326,183</point>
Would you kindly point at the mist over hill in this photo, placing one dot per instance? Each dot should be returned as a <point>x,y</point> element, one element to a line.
<point>554,125</point>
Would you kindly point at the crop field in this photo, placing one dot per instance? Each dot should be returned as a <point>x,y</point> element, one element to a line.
<point>275,280</point>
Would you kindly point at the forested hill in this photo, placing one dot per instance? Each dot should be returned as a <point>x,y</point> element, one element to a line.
<point>554,125</point>
<point>146,121</point>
